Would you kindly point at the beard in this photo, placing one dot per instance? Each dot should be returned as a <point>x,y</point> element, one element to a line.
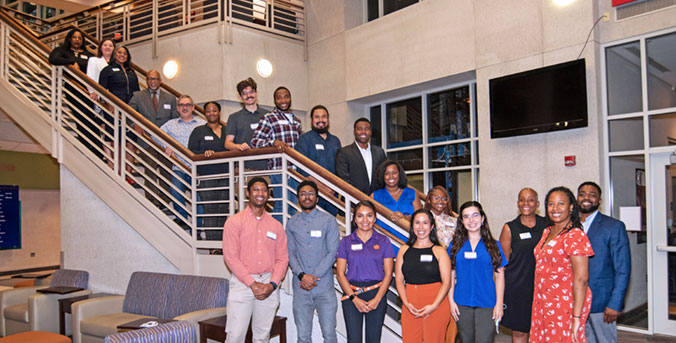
<point>308,208</point>
<point>590,209</point>
<point>321,131</point>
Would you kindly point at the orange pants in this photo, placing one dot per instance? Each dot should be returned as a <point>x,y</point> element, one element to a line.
<point>451,331</point>
<point>431,329</point>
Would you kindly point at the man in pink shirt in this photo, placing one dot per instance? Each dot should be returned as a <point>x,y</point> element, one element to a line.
<point>255,250</point>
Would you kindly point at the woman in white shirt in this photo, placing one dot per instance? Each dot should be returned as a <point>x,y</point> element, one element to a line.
<point>96,64</point>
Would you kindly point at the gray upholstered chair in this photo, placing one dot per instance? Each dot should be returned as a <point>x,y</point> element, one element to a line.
<point>23,309</point>
<point>190,298</point>
<point>174,332</point>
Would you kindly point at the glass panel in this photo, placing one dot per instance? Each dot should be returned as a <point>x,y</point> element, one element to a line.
<point>29,8</point>
<point>623,70</point>
<point>372,9</point>
<point>376,129</point>
<point>457,182</point>
<point>450,155</point>
<point>625,134</point>
<point>390,6</point>
<point>404,123</point>
<point>416,181</point>
<point>476,152</point>
<point>662,129</point>
<point>448,115</point>
<point>627,175</point>
<point>671,237</point>
<point>661,53</point>
<point>409,159</point>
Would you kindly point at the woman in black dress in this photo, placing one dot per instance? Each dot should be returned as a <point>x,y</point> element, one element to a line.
<point>518,238</point>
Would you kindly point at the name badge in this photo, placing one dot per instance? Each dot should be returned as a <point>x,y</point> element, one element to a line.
<point>551,243</point>
<point>253,126</point>
<point>425,258</point>
<point>319,146</point>
<point>272,235</point>
<point>283,122</point>
<point>208,138</point>
<point>167,106</point>
<point>357,247</point>
<point>315,233</point>
<point>525,235</point>
<point>116,69</point>
<point>470,255</point>
<point>84,57</point>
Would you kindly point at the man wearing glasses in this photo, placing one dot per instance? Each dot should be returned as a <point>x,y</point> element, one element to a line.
<point>180,129</point>
<point>159,107</point>
<point>241,124</point>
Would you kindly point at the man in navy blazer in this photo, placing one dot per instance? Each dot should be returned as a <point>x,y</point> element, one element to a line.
<point>356,163</point>
<point>609,268</point>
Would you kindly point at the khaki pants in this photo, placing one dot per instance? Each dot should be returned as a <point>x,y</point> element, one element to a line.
<point>243,306</point>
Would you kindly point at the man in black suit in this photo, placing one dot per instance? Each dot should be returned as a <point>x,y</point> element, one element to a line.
<point>355,163</point>
<point>157,106</point>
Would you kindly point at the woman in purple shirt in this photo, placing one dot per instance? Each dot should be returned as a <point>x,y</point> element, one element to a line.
<point>370,258</point>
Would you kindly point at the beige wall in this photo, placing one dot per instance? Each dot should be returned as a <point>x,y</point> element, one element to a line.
<point>40,232</point>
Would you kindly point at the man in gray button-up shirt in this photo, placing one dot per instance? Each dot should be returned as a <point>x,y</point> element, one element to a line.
<point>313,241</point>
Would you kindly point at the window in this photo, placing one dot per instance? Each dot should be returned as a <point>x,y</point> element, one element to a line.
<point>433,136</point>
<point>374,7</point>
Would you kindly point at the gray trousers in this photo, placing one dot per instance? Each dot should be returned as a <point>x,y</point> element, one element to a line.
<point>598,331</point>
<point>475,324</point>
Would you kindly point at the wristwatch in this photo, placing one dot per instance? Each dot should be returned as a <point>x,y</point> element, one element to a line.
<point>352,296</point>
<point>300,276</point>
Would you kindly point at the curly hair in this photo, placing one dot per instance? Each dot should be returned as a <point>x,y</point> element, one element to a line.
<point>379,177</point>
<point>574,214</point>
<point>461,234</point>
<point>412,238</point>
<point>428,200</point>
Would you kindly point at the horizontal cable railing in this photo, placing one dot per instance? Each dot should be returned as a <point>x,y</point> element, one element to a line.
<point>132,21</point>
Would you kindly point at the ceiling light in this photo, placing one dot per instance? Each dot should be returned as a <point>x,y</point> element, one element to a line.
<point>563,2</point>
<point>170,69</point>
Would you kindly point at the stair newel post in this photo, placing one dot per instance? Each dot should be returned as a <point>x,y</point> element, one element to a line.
<point>285,191</point>
<point>116,140</point>
<point>242,185</point>
<point>57,84</point>
<point>52,113</point>
<point>125,23</point>
<point>155,28</point>
<point>193,197</point>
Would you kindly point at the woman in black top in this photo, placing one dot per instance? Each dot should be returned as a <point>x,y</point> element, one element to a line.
<point>121,80</point>
<point>518,238</point>
<point>423,278</point>
<point>118,77</point>
<point>208,139</point>
<point>73,52</point>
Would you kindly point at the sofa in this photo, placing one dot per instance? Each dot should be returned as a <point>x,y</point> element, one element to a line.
<point>174,332</point>
<point>24,309</point>
<point>150,295</point>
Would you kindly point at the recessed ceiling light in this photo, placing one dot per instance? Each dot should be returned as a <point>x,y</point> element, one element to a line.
<point>170,69</point>
<point>264,68</point>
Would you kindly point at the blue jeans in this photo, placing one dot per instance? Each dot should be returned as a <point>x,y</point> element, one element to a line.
<point>354,320</point>
<point>277,193</point>
<point>304,305</point>
<point>178,195</point>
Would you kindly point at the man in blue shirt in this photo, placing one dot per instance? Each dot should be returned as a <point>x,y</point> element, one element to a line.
<point>313,242</point>
<point>320,146</point>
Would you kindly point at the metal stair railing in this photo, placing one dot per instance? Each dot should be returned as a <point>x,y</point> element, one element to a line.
<point>107,130</point>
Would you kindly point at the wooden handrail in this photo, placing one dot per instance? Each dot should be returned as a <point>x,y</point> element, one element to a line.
<point>90,83</point>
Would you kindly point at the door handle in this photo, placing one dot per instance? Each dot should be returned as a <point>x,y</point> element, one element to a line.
<point>666,248</point>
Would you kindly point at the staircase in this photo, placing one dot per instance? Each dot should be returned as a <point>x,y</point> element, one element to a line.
<point>95,138</point>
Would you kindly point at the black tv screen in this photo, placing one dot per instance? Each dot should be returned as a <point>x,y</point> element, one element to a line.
<point>542,100</point>
<point>10,218</point>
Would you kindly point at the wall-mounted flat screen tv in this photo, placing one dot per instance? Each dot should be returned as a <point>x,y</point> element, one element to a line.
<point>542,100</point>
<point>10,218</point>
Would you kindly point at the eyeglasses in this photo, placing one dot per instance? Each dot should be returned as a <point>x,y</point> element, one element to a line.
<point>437,198</point>
<point>307,194</point>
<point>154,79</point>
<point>473,215</point>
<point>245,93</point>
<point>184,105</point>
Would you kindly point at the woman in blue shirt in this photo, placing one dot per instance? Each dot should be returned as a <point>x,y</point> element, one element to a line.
<point>477,265</point>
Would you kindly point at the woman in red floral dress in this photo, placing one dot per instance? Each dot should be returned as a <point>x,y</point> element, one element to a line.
<point>562,299</point>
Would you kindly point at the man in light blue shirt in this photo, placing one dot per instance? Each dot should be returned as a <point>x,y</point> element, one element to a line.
<point>313,241</point>
<point>180,130</point>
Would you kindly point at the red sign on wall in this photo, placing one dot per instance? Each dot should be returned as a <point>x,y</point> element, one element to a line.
<point>621,2</point>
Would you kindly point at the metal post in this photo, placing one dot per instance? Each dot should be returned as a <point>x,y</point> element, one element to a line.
<point>59,111</point>
<point>3,39</point>
<point>155,28</point>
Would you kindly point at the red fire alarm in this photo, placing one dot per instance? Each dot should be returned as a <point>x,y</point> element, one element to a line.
<point>569,161</point>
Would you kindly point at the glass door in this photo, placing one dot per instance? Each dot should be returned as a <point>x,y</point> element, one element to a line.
<point>663,170</point>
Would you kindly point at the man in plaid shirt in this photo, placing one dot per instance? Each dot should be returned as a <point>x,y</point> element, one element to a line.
<point>281,129</point>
